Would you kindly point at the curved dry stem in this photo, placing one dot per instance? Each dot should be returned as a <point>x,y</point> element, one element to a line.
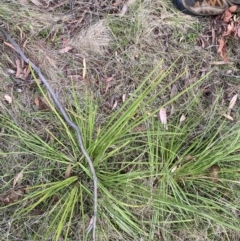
<point>70,123</point>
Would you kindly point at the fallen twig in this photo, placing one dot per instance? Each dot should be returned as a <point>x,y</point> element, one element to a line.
<point>70,123</point>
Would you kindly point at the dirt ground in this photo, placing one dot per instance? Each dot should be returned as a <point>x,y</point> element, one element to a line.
<point>113,45</point>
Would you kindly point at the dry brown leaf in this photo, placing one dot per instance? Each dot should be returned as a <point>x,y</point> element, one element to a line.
<point>174,90</point>
<point>182,118</point>
<point>233,102</point>
<point>44,104</point>
<point>68,171</point>
<point>9,45</point>
<point>109,79</point>
<point>172,110</point>
<point>189,158</point>
<point>117,3</point>
<point>114,105</point>
<point>108,85</point>
<point>123,98</point>
<point>11,71</point>
<point>139,129</point>
<point>111,100</point>
<point>23,2</point>
<point>51,61</point>
<point>213,36</point>
<point>36,2</point>
<point>8,98</point>
<point>174,168</point>
<point>230,29</point>
<point>222,49</point>
<point>41,103</point>
<point>228,117</point>
<point>26,72</point>
<point>37,212</point>
<point>90,224</point>
<point>19,69</point>
<point>220,62</point>
<point>229,72</point>
<point>227,16</point>
<point>221,44</point>
<point>65,50</point>
<point>202,42</point>
<point>12,196</point>
<point>124,9</point>
<point>233,9</point>
<point>36,101</point>
<point>84,68</point>
<point>214,173</point>
<point>17,178</point>
<point>25,43</point>
<point>22,63</point>
<point>163,117</point>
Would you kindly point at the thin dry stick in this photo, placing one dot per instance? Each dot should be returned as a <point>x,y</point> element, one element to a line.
<point>70,123</point>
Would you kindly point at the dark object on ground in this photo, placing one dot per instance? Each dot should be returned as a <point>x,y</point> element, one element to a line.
<point>92,226</point>
<point>205,7</point>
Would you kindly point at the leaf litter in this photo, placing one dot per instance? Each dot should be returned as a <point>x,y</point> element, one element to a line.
<point>163,117</point>
<point>16,192</point>
<point>233,102</point>
<point>223,27</point>
<point>230,108</point>
<point>214,173</point>
<point>17,178</point>
<point>8,99</point>
<point>13,195</point>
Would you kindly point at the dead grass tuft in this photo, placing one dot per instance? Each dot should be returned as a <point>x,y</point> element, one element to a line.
<point>93,40</point>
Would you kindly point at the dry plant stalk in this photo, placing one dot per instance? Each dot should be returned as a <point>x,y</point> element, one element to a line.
<point>70,123</point>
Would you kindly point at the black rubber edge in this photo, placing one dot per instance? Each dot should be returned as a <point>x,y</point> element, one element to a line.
<point>179,5</point>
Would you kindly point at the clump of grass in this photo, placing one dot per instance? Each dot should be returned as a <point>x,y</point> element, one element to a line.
<point>93,40</point>
<point>153,182</point>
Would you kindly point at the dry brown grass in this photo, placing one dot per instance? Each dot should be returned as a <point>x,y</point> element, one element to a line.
<point>126,47</point>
